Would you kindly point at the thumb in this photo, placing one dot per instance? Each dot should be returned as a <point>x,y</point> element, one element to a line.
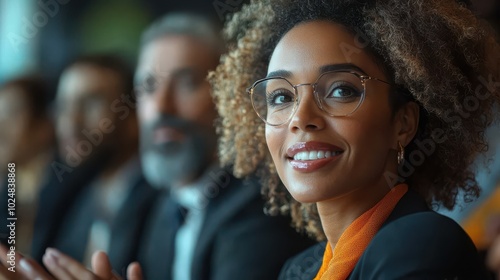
<point>134,271</point>
<point>101,265</point>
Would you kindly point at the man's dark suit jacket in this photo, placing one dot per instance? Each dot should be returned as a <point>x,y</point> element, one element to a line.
<point>413,243</point>
<point>237,241</point>
<point>61,222</point>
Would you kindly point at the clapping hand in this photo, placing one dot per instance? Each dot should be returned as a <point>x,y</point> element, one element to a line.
<point>62,267</point>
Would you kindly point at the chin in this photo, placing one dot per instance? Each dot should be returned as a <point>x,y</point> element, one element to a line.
<point>304,193</point>
<point>314,192</point>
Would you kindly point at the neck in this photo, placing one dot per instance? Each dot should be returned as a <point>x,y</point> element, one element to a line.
<point>194,176</point>
<point>117,162</point>
<point>187,180</point>
<point>122,152</point>
<point>338,213</point>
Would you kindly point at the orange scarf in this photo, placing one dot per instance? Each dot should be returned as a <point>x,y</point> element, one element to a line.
<point>337,265</point>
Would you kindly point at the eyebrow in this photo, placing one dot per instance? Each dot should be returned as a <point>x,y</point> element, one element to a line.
<point>322,69</point>
<point>279,73</point>
<point>140,76</point>
<point>343,66</point>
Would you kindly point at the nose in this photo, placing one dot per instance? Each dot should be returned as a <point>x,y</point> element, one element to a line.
<point>165,100</point>
<point>73,114</point>
<point>71,121</point>
<point>308,116</point>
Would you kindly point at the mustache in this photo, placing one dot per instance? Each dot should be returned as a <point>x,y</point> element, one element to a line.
<point>164,120</point>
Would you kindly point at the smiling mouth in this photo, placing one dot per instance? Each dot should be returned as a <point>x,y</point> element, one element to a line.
<point>315,155</point>
<point>311,156</point>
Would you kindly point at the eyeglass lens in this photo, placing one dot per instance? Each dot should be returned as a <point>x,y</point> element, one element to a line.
<point>337,93</point>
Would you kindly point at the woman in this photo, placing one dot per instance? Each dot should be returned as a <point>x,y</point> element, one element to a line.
<point>370,111</point>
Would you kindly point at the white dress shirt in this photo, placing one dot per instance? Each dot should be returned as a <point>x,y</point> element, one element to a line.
<point>195,201</point>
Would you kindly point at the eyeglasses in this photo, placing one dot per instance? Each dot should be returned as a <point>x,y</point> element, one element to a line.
<point>337,93</point>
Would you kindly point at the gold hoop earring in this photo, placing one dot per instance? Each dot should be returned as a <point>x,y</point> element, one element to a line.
<point>401,153</point>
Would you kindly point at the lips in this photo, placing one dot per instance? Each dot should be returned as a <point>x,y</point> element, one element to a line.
<point>164,135</point>
<point>310,156</point>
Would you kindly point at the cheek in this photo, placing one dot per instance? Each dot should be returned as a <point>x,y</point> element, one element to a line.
<point>275,138</point>
<point>145,108</point>
<point>369,138</point>
<point>67,125</point>
<point>363,137</point>
<point>93,118</point>
<point>198,107</point>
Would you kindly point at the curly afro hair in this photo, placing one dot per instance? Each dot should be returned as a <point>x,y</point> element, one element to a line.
<point>438,51</point>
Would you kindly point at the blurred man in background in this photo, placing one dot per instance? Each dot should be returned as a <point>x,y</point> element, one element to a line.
<point>27,140</point>
<point>222,231</point>
<point>97,198</point>
<point>207,224</point>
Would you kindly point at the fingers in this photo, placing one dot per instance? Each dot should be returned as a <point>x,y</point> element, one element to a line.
<point>494,255</point>
<point>102,267</point>
<point>25,268</point>
<point>134,271</point>
<point>32,270</point>
<point>8,275</point>
<point>9,258</point>
<point>64,267</point>
<point>9,268</point>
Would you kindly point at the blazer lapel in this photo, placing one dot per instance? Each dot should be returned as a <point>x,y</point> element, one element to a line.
<point>160,240</point>
<point>129,224</point>
<point>230,200</point>
<point>410,203</point>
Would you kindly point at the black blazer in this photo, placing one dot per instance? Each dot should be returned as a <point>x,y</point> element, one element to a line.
<point>413,243</point>
<point>63,223</point>
<point>237,241</point>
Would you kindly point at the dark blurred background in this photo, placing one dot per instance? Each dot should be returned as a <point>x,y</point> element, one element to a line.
<point>44,35</point>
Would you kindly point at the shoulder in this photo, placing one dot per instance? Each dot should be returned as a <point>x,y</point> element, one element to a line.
<point>422,225</point>
<point>238,212</point>
<point>233,198</point>
<point>304,265</point>
<point>428,228</point>
<point>238,227</point>
<point>424,244</point>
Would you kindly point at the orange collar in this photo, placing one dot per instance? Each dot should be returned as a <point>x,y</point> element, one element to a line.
<point>339,263</point>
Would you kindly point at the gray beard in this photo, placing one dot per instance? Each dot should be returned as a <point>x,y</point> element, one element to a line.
<point>188,160</point>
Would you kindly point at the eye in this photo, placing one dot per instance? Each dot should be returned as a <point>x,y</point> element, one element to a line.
<point>280,97</point>
<point>343,92</point>
<point>149,84</point>
<point>187,82</point>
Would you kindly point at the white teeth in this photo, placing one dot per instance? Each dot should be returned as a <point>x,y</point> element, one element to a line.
<point>313,155</point>
<point>321,154</point>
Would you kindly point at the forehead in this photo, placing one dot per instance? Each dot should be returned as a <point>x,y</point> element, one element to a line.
<point>81,81</point>
<point>173,52</point>
<point>310,45</point>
